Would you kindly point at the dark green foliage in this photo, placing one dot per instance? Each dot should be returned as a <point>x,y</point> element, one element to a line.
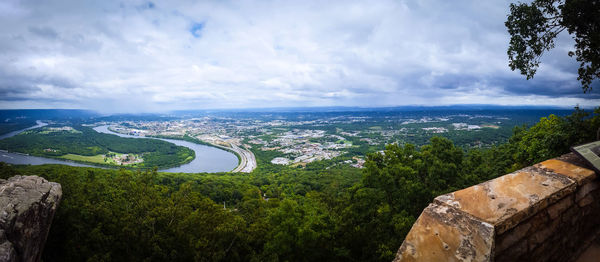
<point>553,136</point>
<point>399,183</point>
<point>534,26</point>
<point>396,186</point>
<point>122,215</point>
<point>109,215</point>
<point>324,212</point>
<point>10,126</point>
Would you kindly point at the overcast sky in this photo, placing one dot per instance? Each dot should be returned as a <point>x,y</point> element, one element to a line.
<point>140,56</point>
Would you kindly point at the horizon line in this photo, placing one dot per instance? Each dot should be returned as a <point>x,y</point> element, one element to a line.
<point>312,108</point>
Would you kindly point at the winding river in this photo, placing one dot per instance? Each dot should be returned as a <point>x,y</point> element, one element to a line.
<point>208,159</point>
<point>38,123</point>
<point>23,159</point>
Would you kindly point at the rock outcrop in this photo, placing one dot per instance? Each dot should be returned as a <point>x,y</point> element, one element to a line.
<point>27,206</point>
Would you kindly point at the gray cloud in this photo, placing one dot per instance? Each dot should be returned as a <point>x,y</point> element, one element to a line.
<point>161,55</point>
<point>45,32</point>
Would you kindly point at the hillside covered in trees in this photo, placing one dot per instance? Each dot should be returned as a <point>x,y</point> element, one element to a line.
<point>280,213</point>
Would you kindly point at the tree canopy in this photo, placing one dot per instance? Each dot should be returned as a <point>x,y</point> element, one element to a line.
<point>534,27</point>
<point>280,213</point>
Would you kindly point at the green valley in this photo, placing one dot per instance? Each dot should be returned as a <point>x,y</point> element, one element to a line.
<point>326,210</point>
<point>83,144</point>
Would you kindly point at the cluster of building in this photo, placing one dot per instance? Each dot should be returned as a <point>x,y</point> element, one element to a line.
<point>300,140</point>
<point>298,146</point>
<point>58,129</point>
<point>465,126</point>
<point>125,159</point>
<point>302,146</point>
<point>425,120</point>
<point>435,130</point>
<point>48,130</point>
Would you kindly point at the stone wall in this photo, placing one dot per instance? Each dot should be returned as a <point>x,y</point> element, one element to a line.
<point>546,212</point>
<point>27,206</point>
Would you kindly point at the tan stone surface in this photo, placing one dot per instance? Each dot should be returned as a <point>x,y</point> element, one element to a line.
<point>528,215</point>
<point>578,173</point>
<point>509,199</point>
<point>445,234</point>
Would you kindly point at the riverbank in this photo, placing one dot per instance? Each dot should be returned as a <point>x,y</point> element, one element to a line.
<point>246,159</point>
<point>15,158</point>
<point>209,158</point>
<point>73,158</point>
<point>85,145</point>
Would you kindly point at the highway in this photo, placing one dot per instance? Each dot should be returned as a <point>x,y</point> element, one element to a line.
<point>247,159</point>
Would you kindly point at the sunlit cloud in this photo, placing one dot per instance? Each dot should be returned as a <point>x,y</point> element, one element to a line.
<point>165,55</point>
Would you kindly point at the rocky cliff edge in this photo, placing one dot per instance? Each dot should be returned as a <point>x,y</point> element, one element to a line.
<point>27,206</point>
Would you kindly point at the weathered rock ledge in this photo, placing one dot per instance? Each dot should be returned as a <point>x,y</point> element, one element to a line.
<point>546,212</point>
<point>27,206</point>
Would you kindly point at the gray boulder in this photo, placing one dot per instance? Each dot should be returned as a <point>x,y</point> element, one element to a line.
<point>27,206</point>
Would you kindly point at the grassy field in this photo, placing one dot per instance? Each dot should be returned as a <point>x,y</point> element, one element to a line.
<point>189,158</point>
<point>99,159</point>
<point>92,159</point>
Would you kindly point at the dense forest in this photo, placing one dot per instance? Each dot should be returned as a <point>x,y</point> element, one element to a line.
<point>11,125</point>
<point>280,213</point>
<point>56,141</point>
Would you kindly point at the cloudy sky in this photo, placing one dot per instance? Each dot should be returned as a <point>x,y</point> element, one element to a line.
<point>140,56</point>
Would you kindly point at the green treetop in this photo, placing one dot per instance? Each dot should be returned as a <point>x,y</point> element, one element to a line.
<point>534,26</point>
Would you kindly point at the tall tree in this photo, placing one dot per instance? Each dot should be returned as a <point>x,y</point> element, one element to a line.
<point>534,26</point>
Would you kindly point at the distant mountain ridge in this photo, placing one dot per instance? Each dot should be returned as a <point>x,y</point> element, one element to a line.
<point>392,108</point>
<point>48,114</point>
<point>21,115</point>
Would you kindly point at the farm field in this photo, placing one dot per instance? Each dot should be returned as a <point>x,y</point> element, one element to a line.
<point>112,158</point>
